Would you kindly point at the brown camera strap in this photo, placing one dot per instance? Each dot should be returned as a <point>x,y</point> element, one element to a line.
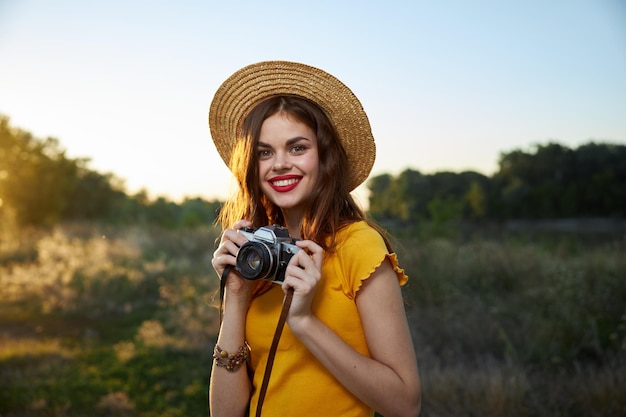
<point>279,330</point>
<point>270,359</point>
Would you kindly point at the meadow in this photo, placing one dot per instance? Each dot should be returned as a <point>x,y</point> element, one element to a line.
<point>100,320</point>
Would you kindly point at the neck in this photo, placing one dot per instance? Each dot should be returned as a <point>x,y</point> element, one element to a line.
<point>293,220</point>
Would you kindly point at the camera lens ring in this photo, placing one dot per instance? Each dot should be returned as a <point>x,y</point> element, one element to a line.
<point>254,260</point>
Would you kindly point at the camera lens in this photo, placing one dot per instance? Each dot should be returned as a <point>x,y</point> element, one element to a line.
<point>254,260</point>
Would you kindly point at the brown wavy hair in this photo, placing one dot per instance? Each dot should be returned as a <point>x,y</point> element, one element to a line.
<point>329,207</point>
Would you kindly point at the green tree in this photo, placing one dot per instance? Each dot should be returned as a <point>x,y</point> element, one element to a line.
<point>443,210</point>
<point>94,195</point>
<point>380,206</point>
<point>199,212</point>
<point>476,201</point>
<point>553,181</point>
<point>411,191</point>
<point>36,176</point>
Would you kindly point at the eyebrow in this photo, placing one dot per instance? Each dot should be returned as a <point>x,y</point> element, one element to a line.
<point>288,143</point>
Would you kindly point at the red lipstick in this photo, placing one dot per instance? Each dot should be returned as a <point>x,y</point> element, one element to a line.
<point>284,183</point>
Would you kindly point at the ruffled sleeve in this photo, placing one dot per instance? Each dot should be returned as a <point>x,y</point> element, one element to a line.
<point>361,249</point>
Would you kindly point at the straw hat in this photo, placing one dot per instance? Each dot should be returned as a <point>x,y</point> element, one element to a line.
<point>243,90</point>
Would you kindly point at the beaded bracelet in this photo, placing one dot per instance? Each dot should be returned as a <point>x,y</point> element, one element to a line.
<point>231,361</point>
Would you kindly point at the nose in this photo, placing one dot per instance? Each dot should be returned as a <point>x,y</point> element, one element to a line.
<point>281,162</point>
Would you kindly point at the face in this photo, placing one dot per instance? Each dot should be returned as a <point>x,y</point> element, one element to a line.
<point>288,162</point>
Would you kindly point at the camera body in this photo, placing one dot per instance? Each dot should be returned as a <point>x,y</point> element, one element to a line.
<point>266,253</point>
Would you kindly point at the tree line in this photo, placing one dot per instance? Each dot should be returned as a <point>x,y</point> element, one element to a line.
<point>41,185</point>
<point>549,181</point>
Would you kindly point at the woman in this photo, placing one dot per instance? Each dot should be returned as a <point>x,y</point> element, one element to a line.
<point>298,142</point>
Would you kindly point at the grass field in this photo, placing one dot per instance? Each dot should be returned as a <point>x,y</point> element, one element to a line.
<point>104,321</point>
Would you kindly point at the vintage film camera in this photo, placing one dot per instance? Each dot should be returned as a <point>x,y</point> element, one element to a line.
<point>266,254</point>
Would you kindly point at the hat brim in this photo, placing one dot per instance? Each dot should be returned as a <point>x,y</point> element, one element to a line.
<point>246,88</point>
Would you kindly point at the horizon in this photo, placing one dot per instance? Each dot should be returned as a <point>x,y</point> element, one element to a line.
<point>447,87</point>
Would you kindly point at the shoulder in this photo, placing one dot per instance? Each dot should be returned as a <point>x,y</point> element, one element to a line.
<point>357,234</point>
<point>361,250</point>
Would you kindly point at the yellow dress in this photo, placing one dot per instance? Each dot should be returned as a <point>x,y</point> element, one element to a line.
<point>299,383</point>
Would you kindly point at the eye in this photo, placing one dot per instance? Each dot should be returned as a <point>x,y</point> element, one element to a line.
<point>298,149</point>
<point>264,154</point>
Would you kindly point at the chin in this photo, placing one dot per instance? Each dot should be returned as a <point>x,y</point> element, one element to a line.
<point>288,204</point>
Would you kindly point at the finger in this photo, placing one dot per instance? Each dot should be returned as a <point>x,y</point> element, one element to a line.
<point>220,262</point>
<point>304,268</point>
<point>314,250</point>
<point>300,282</point>
<point>304,261</point>
<point>241,224</point>
<point>226,248</point>
<point>233,236</point>
<point>226,254</point>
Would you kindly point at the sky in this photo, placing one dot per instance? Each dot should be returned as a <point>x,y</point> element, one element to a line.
<point>447,85</point>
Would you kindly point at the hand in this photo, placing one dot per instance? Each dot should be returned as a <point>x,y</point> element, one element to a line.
<point>303,274</point>
<point>226,254</point>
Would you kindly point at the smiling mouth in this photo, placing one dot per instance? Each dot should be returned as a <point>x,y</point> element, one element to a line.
<point>285,183</point>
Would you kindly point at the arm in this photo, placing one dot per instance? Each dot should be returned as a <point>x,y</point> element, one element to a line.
<point>229,392</point>
<point>380,303</point>
<point>389,381</point>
